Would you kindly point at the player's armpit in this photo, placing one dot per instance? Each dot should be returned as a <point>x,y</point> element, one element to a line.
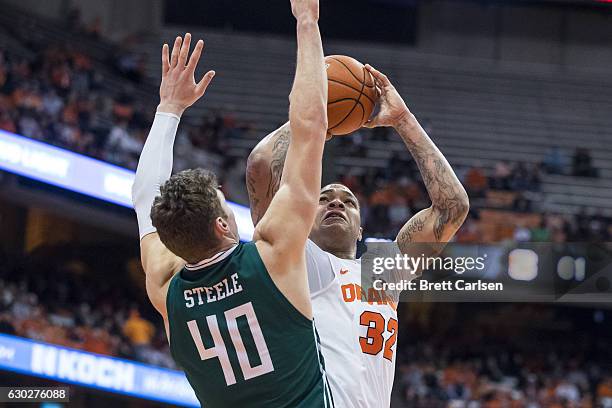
<point>159,265</point>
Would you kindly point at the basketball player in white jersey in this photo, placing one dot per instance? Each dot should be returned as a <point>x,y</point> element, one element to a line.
<point>358,337</point>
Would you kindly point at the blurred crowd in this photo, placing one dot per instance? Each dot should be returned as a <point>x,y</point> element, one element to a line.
<point>505,355</point>
<point>449,355</point>
<point>68,300</point>
<point>390,196</point>
<point>62,97</point>
<point>59,97</point>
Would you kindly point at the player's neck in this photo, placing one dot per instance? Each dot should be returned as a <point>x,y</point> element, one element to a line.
<point>225,245</point>
<point>343,253</point>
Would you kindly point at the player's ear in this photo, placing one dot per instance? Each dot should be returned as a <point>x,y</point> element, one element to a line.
<point>221,226</point>
<point>360,236</point>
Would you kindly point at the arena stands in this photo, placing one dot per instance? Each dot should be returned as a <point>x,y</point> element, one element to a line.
<point>479,110</point>
<point>81,114</point>
<point>504,356</point>
<point>510,131</point>
<point>468,356</point>
<point>61,295</point>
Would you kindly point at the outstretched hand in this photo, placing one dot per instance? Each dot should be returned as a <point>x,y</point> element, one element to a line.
<point>178,89</point>
<point>392,107</point>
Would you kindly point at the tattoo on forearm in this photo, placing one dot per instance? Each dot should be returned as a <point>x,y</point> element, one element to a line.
<point>279,153</point>
<point>416,224</point>
<point>447,195</point>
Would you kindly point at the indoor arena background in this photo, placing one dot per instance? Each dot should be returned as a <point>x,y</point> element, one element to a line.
<point>517,94</point>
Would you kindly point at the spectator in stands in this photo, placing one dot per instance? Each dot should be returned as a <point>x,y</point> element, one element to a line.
<point>7,123</point>
<point>233,180</point>
<point>555,161</point>
<point>399,166</point>
<point>582,164</point>
<point>94,28</point>
<point>521,203</point>
<point>6,326</point>
<point>476,182</point>
<point>604,392</point>
<point>501,176</point>
<point>122,146</point>
<point>525,177</point>
<point>470,231</point>
<point>522,233</point>
<point>128,62</point>
<point>73,19</point>
<point>541,233</point>
<point>138,330</point>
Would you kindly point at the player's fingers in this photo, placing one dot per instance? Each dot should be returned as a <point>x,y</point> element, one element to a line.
<point>165,59</point>
<point>175,51</point>
<point>195,56</point>
<point>204,82</point>
<point>182,61</point>
<point>379,87</point>
<point>378,75</point>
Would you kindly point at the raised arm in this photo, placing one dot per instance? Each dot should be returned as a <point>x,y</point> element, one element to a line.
<point>449,201</point>
<point>178,91</point>
<point>282,232</point>
<point>292,210</point>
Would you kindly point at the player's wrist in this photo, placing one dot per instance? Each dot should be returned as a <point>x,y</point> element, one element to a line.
<point>307,21</point>
<point>166,107</point>
<point>405,119</point>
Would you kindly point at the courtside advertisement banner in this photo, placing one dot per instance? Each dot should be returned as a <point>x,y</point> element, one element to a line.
<point>81,174</point>
<point>111,374</point>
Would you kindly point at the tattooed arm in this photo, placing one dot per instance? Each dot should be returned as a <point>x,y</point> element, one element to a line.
<point>449,201</point>
<point>264,170</point>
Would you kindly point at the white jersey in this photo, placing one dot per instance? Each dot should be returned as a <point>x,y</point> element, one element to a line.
<point>358,338</point>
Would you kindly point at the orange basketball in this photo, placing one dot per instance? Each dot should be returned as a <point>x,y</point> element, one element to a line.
<point>351,94</point>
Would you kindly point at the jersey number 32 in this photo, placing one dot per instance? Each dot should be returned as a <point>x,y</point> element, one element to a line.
<point>374,341</point>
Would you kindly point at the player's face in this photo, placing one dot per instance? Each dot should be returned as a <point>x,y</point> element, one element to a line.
<point>338,221</point>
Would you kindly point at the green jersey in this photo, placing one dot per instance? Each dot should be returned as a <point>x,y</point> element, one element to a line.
<point>240,342</point>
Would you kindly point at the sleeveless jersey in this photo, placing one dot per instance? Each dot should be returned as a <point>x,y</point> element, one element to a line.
<point>240,342</point>
<point>358,333</point>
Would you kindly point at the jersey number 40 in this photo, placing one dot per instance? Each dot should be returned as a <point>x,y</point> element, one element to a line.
<point>220,351</point>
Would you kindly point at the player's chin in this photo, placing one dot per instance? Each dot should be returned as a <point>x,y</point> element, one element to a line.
<point>337,226</point>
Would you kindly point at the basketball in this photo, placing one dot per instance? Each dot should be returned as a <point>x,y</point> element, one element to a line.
<point>351,94</point>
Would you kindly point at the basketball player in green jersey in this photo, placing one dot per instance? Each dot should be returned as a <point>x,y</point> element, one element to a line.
<point>238,315</point>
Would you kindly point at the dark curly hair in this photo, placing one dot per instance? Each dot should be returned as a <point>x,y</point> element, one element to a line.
<point>185,213</point>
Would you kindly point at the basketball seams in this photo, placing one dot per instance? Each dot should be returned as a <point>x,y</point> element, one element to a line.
<point>343,100</point>
<point>356,101</point>
<point>343,81</point>
<point>354,89</point>
<point>353,74</point>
